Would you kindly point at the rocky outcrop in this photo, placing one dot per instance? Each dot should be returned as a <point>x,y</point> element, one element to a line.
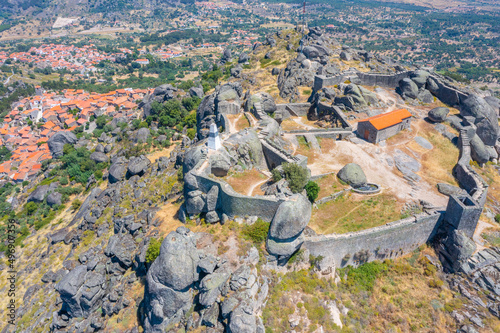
<point>265,101</point>
<point>99,157</point>
<point>161,94</point>
<point>243,58</point>
<point>196,92</point>
<point>290,220</point>
<point>438,115</point>
<point>455,249</point>
<point>352,174</point>
<point>187,262</point>
<point>485,118</point>
<point>138,165</point>
<point>225,100</point>
<point>41,191</point>
<point>117,171</point>
<point>57,141</point>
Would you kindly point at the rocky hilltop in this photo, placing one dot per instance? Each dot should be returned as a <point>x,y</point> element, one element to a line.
<point>169,240</point>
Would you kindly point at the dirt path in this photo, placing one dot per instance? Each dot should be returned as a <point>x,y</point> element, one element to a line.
<point>374,164</point>
<point>481,226</point>
<point>299,121</point>
<point>252,188</point>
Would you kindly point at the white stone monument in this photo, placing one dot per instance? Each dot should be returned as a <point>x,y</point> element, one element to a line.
<point>213,138</point>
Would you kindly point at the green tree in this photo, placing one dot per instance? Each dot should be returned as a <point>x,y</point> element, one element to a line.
<point>312,189</point>
<point>30,207</point>
<point>295,175</point>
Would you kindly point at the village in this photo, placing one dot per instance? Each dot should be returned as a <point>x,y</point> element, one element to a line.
<point>33,120</point>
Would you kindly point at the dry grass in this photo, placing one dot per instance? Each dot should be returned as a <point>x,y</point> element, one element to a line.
<point>354,212</point>
<point>239,120</point>
<point>329,185</point>
<point>297,123</point>
<point>159,153</point>
<point>243,182</point>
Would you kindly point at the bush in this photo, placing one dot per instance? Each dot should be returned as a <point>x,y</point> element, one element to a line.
<point>497,218</point>
<point>30,207</point>
<point>296,176</point>
<point>191,132</point>
<point>76,204</point>
<point>153,250</point>
<point>312,189</point>
<point>276,175</point>
<point>256,232</point>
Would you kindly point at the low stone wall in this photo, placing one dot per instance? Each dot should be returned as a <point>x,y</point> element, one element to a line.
<point>321,81</point>
<point>323,108</point>
<point>331,197</point>
<point>388,241</point>
<point>293,109</point>
<point>382,80</point>
<point>234,204</point>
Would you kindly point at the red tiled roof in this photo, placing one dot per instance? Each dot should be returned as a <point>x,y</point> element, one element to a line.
<point>388,119</point>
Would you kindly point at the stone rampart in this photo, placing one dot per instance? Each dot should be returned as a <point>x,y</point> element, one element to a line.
<point>388,241</point>
<point>378,79</point>
<point>234,204</point>
<point>466,176</point>
<point>321,81</point>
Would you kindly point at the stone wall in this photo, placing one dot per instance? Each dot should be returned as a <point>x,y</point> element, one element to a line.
<point>275,157</point>
<point>466,176</point>
<point>323,108</point>
<point>388,241</point>
<point>234,204</point>
<point>382,80</point>
<point>321,81</point>
<point>293,109</point>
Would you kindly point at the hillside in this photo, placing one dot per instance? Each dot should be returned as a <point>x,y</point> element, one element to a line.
<point>246,198</point>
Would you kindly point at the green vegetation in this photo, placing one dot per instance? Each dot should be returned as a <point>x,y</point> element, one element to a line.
<point>256,232</point>
<point>312,190</point>
<point>295,175</point>
<point>153,250</point>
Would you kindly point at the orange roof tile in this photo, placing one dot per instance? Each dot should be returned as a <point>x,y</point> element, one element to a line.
<point>388,119</point>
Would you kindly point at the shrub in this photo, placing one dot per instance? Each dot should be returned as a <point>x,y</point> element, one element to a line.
<point>30,207</point>
<point>76,204</point>
<point>256,232</point>
<point>191,132</point>
<point>276,175</point>
<point>497,218</point>
<point>296,176</point>
<point>363,278</point>
<point>153,250</point>
<point>312,189</point>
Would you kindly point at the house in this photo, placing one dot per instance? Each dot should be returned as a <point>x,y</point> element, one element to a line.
<point>383,126</point>
<point>142,61</point>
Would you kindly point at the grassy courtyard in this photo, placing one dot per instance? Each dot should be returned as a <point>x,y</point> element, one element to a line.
<point>354,212</point>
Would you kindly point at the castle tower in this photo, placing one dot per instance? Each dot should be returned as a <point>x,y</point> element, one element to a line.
<point>213,138</point>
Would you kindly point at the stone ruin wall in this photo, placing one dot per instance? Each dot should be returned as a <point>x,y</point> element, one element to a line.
<point>385,242</point>
<point>234,204</point>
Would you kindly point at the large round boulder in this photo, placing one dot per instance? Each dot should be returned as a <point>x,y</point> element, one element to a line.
<point>439,114</point>
<point>142,135</point>
<point>408,88</point>
<point>291,218</point>
<point>243,57</point>
<point>168,294</point>
<point>117,172</point>
<point>57,141</point>
<point>419,77</point>
<point>265,100</point>
<point>54,198</point>
<point>479,153</point>
<point>352,174</point>
<point>138,165</point>
<point>99,157</point>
